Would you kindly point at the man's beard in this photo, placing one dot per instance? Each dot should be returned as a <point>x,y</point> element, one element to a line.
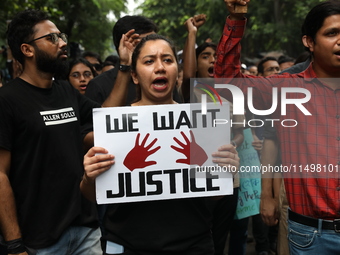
<point>48,64</point>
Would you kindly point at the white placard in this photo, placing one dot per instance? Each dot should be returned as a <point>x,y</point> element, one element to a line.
<point>147,164</point>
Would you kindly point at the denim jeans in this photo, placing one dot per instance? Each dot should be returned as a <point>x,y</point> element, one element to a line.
<point>76,241</point>
<point>312,241</point>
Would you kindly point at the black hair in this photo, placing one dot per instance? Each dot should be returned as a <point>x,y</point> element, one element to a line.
<point>138,49</point>
<point>84,61</point>
<point>284,59</point>
<point>112,58</point>
<point>262,61</point>
<point>141,24</point>
<point>316,17</point>
<point>303,57</point>
<point>203,46</point>
<point>21,30</point>
<point>93,55</point>
<point>108,63</point>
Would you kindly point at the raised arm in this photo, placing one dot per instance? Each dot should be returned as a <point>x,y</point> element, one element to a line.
<point>118,94</point>
<point>228,65</point>
<point>229,47</point>
<point>189,53</point>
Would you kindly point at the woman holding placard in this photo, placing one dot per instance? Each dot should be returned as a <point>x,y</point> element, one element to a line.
<point>175,226</point>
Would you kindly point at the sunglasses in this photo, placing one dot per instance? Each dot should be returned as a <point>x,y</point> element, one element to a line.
<point>54,37</point>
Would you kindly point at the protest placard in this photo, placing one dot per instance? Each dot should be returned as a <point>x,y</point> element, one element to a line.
<point>250,178</point>
<point>152,147</point>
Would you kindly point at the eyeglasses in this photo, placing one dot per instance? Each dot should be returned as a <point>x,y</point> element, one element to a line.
<point>77,75</point>
<point>53,36</point>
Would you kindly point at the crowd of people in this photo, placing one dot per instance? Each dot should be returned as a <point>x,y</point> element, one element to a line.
<point>49,165</point>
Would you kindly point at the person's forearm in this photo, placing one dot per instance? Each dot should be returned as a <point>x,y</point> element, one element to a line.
<point>277,181</point>
<point>228,50</point>
<point>189,64</point>
<point>88,189</point>
<point>88,141</point>
<point>268,159</point>
<point>267,186</point>
<point>8,217</point>
<point>238,136</point>
<point>119,92</point>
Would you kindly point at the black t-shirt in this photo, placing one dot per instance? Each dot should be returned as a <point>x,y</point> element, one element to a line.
<point>41,129</point>
<point>99,88</point>
<point>178,226</point>
<point>175,226</point>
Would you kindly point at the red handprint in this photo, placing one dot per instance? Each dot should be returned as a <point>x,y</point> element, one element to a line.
<point>136,158</point>
<point>195,155</point>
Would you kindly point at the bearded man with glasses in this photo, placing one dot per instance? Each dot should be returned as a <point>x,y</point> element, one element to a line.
<point>41,146</point>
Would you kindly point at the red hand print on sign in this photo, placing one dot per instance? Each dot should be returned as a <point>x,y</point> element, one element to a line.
<point>195,155</point>
<point>136,158</point>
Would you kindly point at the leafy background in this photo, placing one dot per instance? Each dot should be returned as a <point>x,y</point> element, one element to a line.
<point>273,25</point>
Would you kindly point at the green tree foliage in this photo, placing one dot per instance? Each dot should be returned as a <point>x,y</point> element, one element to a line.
<point>170,16</point>
<point>272,25</point>
<point>84,21</point>
<point>276,26</point>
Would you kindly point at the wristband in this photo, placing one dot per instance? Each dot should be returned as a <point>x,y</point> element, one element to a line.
<point>15,246</point>
<point>124,68</point>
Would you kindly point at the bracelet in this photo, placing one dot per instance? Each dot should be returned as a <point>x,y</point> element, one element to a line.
<point>16,246</point>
